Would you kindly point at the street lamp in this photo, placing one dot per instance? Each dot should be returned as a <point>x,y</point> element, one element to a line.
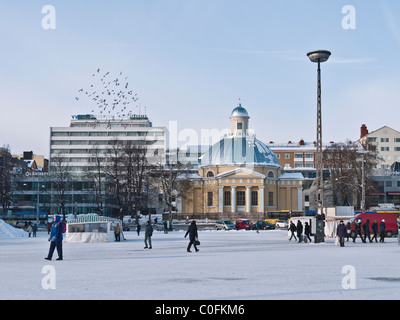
<point>318,57</point>
<point>363,153</point>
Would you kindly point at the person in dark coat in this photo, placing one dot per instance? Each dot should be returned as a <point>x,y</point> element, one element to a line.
<point>307,231</point>
<point>341,232</point>
<point>348,227</point>
<point>292,228</point>
<point>382,227</point>
<point>299,228</point>
<point>374,227</point>
<point>357,226</point>
<point>147,235</point>
<point>367,232</point>
<point>56,238</point>
<point>138,227</point>
<point>192,232</point>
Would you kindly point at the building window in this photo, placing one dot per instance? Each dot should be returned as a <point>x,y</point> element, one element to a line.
<point>210,174</point>
<point>384,139</point>
<point>254,198</point>
<point>396,139</point>
<point>384,148</point>
<point>240,198</point>
<point>227,198</point>
<point>239,125</point>
<point>298,156</point>
<point>270,198</point>
<point>287,156</point>
<point>209,199</point>
<point>372,139</point>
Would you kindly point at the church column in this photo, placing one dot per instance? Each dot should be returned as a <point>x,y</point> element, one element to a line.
<point>221,199</point>
<point>233,198</point>
<point>261,199</point>
<point>300,199</point>
<point>248,198</point>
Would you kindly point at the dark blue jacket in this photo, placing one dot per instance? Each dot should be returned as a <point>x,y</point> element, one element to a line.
<point>56,230</point>
<point>341,230</point>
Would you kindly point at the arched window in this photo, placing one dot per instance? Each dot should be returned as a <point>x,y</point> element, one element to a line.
<point>270,174</point>
<point>210,174</point>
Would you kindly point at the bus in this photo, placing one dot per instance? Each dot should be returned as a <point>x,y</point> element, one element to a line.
<point>20,219</point>
<point>273,216</point>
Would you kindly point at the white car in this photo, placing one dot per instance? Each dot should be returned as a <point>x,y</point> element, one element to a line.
<point>282,224</point>
<point>224,225</point>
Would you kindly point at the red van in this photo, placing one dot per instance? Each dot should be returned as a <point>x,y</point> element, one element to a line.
<point>390,222</point>
<point>244,224</point>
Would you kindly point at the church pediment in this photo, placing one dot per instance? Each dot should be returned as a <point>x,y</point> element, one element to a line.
<point>241,173</point>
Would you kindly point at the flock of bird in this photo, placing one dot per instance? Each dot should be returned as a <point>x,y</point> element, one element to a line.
<point>112,96</point>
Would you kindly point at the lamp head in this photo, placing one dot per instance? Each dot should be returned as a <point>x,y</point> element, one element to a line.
<point>319,55</point>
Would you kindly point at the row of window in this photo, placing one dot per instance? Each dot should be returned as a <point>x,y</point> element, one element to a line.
<point>107,134</point>
<point>388,148</point>
<point>297,156</point>
<point>240,198</point>
<point>374,139</point>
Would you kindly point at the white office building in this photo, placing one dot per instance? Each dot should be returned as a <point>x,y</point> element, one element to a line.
<point>89,134</point>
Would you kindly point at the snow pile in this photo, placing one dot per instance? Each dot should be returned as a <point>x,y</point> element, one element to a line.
<point>7,231</point>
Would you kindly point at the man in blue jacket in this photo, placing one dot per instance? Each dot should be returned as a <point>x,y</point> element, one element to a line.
<point>56,238</point>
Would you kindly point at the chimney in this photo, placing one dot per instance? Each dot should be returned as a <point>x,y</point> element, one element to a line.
<point>364,131</point>
<point>301,143</point>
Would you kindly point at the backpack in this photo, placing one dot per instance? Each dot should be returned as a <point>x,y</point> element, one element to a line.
<point>64,226</point>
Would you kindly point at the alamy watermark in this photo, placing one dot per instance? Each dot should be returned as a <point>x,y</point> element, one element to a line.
<point>349,20</point>
<point>49,280</point>
<point>349,280</point>
<point>49,20</point>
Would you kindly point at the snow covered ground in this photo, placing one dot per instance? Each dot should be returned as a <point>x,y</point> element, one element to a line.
<point>231,265</point>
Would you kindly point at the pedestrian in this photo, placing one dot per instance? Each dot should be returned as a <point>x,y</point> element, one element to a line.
<point>138,228</point>
<point>382,228</point>
<point>147,235</point>
<point>348,228</point>
<point>29,229</point>
<point>299,228</point>
<point>374,227</point>
<point>357,226</point>
<point>48,227</point>
<point>367,232</point>
<point>165,226</point>
<point>292,228</point>
<point>117,232</point>
<point>193,236</point>
<point>34,229</point>
<point>341,232</point>
<point>56,238</point>
<point>307,230</point>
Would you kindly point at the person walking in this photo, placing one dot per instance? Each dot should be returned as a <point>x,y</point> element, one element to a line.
<point>192,232</point>
<point>117,232</point>
<point>348,228</point>
<point>56,238</point>
<point>357,226</point>
<point>29,229</point>
<point>138,228</point>
<point>148,234</point>
<point>341,232</point>
<point>367,232</point>
<point>299,228</point>
<point>307,231</point>
<point>34,229</point>
<point>382,228</point>
<point>292,228</point>
<point>374,227</point>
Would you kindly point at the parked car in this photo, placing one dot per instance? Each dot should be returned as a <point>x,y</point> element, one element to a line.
<point>224,225</point>
<point>125,227</point>
<point>263,225</point>
<point>244,224</point>
<point>390,222</point>
<point>282,224</point>
<point>159,226</point>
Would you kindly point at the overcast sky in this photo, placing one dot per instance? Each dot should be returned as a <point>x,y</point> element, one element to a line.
<point>191,60</point>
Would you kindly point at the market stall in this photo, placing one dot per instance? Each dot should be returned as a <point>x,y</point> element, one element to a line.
<point>92,229</point>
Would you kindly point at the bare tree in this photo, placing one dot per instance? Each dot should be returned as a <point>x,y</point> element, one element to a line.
<point>61,180</point>
<point>7,179</point>
<point>96,174</point>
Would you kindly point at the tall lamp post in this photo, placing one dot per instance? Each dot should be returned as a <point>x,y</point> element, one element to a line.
<point>319,56</point>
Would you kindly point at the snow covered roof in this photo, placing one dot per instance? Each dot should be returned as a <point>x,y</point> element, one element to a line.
<point>291,176</point>
<point>93,219</point>
<point>240,150</point>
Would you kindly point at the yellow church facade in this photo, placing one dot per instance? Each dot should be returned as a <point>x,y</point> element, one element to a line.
<point>239,173</point>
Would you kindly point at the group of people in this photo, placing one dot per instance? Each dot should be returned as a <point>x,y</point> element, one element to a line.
<point>344,231</point>
<point>299,229</point>
<point>192,232</point>
<point>31,228</point>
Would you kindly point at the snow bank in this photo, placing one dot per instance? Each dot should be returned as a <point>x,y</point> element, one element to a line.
<point>7,231</point>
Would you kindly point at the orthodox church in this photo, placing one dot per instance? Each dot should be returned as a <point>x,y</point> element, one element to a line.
<point>240,173</point>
